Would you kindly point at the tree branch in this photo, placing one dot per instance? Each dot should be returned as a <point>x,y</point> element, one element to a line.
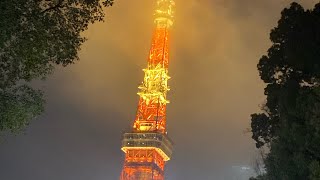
<point>58,5</point>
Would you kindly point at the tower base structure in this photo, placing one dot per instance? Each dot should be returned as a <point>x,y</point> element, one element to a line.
<point>145,155</point>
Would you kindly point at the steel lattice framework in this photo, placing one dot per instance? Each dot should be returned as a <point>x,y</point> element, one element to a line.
<point>147,147</point>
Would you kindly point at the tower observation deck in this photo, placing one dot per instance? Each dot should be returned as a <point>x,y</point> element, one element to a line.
<point>147,147</point>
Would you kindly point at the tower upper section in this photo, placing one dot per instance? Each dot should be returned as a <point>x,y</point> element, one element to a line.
<point>151,113</point>
<point>147,146</point>
<point>164,13</point>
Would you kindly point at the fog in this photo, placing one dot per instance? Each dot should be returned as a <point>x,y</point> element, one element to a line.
<point>215,86</point>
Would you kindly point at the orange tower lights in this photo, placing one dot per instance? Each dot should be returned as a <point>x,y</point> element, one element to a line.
<point>147,147</point>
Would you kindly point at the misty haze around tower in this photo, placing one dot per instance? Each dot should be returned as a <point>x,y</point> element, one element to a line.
<point>96,127</point>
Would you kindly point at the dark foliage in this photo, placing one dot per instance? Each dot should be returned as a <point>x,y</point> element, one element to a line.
<point>36,35</point>
<point>290,122</point>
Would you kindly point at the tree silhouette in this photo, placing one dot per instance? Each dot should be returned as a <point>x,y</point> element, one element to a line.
<point>36,35</point>
<point>290,122</point>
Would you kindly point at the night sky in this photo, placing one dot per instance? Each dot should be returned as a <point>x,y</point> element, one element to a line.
<point>215,86</point>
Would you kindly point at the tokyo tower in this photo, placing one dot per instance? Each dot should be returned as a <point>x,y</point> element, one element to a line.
<point>147,147</point>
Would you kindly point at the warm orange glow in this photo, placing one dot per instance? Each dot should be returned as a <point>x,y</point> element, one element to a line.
<point>147,148</point>
<point>146,171</point>
<point>151,113</point>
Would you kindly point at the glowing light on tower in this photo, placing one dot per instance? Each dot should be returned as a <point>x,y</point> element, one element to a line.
<point>147,147</point>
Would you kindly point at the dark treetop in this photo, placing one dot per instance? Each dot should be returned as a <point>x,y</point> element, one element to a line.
<point>290,122</point>
<point>35,36</point>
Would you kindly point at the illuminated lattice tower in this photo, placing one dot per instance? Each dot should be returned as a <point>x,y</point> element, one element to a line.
<point>147,147</point>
